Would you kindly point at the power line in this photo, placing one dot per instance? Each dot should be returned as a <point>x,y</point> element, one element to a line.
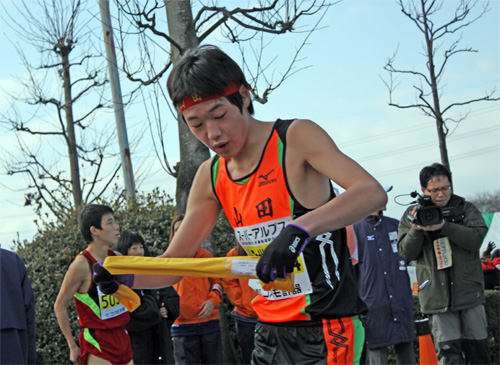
<point>20,231</point>
<point>13,216</point>
<point>421,164</point>
<point>384,135</point>
<point>428,144</point>
<point>421,125</point>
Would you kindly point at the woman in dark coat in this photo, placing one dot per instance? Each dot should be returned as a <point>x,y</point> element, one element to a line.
<point>149,326</point>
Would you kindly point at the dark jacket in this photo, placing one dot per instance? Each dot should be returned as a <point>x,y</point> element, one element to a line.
<point>461,285</point>
<point>142,329</point>
<point>383,283</point>
<point>170,300</point>
<point>17,312</point>
<point>147,315</point>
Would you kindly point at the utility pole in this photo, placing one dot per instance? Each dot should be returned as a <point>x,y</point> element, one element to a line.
<point>121,128</point>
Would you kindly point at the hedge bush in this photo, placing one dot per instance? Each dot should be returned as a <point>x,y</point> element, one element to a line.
<point>49,254</point>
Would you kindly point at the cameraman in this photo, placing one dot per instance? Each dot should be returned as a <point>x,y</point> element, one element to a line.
<point>450,278</point>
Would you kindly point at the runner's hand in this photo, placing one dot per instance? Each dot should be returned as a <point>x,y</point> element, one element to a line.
<point>75,355</point>
<point>280,256</point>
<point>104,280</point>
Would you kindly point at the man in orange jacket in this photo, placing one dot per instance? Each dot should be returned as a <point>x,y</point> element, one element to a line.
<point>196,332</point>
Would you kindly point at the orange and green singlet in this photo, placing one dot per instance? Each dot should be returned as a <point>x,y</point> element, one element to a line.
<point>258,207</point>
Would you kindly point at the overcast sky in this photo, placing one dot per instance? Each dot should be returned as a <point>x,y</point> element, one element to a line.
<point>343,92</point>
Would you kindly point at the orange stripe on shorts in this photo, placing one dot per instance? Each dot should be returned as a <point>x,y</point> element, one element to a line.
<point>344,339</point>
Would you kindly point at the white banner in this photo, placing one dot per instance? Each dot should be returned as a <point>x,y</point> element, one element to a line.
<point>493,234</point>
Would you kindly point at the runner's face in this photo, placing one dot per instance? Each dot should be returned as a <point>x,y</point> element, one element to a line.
<point>219,125</point>
<point>137,249</point>
<point>110,230</point>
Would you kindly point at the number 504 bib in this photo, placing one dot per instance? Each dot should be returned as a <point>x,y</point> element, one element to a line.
<point>110,306</point>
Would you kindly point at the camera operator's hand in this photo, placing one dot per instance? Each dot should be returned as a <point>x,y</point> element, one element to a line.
<point>435,227</point>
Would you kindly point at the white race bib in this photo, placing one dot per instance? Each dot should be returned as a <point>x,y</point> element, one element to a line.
<point>110,306</point>
<point>254,239</point>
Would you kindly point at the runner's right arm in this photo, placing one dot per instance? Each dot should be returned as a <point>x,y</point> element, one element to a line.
<point>75,276</point>
<point>202,212</point>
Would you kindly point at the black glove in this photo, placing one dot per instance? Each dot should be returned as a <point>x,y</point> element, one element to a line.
<point>280,256</point>
<point>104,280</point>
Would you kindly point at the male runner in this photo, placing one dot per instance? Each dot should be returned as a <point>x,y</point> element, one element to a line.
<point>273,181</point>
<point>102,318</point>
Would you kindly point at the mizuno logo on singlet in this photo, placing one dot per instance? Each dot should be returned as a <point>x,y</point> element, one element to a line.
<point>266,179</point>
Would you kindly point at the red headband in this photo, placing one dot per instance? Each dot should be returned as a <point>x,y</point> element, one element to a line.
<point>190,100</point>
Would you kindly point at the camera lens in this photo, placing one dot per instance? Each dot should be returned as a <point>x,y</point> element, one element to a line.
<point>429,215</point>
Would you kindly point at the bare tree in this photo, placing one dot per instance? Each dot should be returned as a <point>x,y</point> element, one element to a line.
<point>56,109</point>
<point>487,202</point>
<point>429,83</point>
<point>167,30</point>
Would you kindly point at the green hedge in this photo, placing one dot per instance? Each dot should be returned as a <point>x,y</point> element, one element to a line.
<point>492,307</point>
<point>49,254</point>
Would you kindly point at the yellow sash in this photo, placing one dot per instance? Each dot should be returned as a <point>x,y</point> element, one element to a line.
<point>218,267</point>
<point>127,297</point>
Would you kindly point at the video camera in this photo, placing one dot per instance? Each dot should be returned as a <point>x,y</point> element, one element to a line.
<point>428,213</point>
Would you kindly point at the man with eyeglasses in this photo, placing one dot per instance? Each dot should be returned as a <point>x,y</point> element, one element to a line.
<point>451,287</point>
